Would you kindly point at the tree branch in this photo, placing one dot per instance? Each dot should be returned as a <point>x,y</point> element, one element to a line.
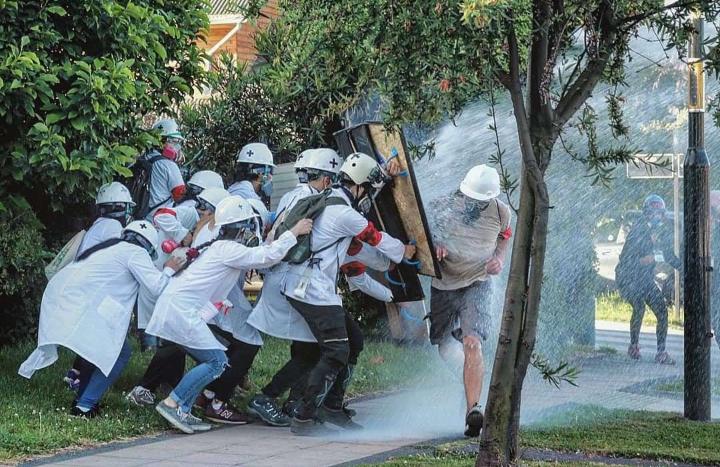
<point>579,91</point>
<point>540,110</point>
<point>635,19</point>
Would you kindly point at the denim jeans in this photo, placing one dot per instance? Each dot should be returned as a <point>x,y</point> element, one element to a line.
<point>211,364</point>
<point>98,383</point>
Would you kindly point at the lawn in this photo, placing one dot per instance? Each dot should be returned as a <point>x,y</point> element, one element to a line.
<point>34,420</point>
<point>677,386</point>
<point>596,431</point>
<point>610,307</point>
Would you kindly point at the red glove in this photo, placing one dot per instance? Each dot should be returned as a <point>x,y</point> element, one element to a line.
<point>192,253</point>
<point>169,245</point>
<point>224,307</point>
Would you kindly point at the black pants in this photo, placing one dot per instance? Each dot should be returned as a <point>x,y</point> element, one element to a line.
<point>240,358</point>
<point>304,356</point>
<point>327,324</point>
<point>641,292</point>
<point>167,366</point>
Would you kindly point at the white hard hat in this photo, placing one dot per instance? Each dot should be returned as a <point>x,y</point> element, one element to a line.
<point>214,195</point>
<point>481,183</point>
<point>114,192</point>
<point>145,229</point>
<point>206,179</point>
<point>233,209</point>
<point>255,153</point>
<point>302,159</point>
<point>324,159</point>
<point>361,168</point>
<point>260,209</point>
<point>168,128</point>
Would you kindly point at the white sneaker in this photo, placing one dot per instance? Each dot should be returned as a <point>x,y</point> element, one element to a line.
<point>141,396</point>
<point>196,424</point>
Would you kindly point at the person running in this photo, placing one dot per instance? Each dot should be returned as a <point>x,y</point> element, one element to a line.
<point>472,233</point>
<point>199,293</point>
<point>86,307</point>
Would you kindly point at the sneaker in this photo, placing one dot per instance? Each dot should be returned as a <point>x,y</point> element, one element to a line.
<point>310,427</point>
<point>226,414</point>
<point>266,409</point>
<point>92,413</point>
<point>176,417</point>
<point>197,424</point>
<point>291,407</point>
<point>72,379</point>
<point>474,422</point>
<point>202,401</point>
<point>663,358</point>
<point>634,351</point>
<point>140,396</point>
<point>338,417</point>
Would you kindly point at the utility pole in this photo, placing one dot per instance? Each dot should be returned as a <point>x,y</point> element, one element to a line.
<point>697,259</point>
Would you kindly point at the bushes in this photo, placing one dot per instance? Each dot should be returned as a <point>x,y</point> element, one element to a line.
<point>22,259</point>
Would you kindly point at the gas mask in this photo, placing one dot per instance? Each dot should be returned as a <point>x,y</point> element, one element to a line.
<point>172,149</point>
<point>302,176</point>
<point>243,232</point>
<point>265,174</point>
<point>473,209</point>
<point>121,212</point>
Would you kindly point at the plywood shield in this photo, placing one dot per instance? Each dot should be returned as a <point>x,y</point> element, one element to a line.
<point>398,209</point>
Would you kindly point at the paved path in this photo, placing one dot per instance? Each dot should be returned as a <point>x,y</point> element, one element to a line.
<point>432,410</point>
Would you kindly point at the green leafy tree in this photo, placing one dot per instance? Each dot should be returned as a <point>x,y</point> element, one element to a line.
<point>427,59</point>
<point>76,80</point>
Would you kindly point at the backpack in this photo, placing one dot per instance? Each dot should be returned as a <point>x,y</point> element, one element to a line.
<point>65,256</point>
<point>139,185</point>
<point>309,207</point>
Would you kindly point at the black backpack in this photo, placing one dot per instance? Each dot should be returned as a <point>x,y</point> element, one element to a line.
<point>139,185</point>
<point>307,208</point>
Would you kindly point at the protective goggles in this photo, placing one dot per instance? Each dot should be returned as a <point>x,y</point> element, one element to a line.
<point>203,205</point>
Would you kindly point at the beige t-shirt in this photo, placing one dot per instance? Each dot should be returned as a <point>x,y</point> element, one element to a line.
<point>469,246</point>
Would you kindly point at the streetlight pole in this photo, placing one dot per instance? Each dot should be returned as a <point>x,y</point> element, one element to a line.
<point>697,263</point>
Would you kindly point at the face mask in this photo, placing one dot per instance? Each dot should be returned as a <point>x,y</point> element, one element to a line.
<point>173,150</point>
<point>302,176</point>
<point>473,210</point>
<point>266,188</point>
<point>364,205</point>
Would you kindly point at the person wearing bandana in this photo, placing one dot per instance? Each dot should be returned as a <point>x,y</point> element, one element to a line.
<point>472,233</point>
<point>648,244</point>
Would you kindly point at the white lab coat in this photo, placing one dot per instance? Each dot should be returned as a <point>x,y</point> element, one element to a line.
<point>172,224</point>
<point>104,228</point>
<point>243,189</point>
<point>208,280</point>
<point>274,315</point>
<point>336,226</point>
<point>86,307</point>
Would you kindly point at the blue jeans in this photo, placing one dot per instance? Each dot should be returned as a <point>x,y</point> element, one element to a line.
<point>98,383</point>
<point>211,364</point>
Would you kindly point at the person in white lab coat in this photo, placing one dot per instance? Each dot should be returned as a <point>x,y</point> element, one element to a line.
<point>86,308</point>
<point>199,293</point>
<point>168,363</point>
<point>253,172</point>
<point>114,208</point>
<point>311,287</point>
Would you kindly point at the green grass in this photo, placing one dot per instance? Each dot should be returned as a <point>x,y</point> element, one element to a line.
<point>597,431</point>
<point>624,433</point>
<point>677,386</point>
<point>34,420</point>
<point>610,307</point>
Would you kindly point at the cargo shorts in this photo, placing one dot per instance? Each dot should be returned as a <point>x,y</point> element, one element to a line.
<point>461,312</point>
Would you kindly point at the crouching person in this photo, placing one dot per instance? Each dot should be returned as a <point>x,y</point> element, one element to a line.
<point>472,236</point>
<point>199,293</point>
<point>87,306</point>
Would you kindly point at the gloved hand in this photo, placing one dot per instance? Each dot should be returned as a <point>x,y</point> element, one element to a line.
<point>224,307</point>
<point>210,310</point>
<point>169,245</point>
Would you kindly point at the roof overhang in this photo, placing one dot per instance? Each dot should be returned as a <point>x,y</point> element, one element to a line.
<point>226,19</point>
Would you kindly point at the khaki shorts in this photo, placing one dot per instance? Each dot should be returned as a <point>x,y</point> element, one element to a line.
<point>460,313</point>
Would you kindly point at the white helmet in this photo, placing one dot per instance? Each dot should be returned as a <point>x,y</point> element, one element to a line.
<point>255,153</point>
<point>361,168</point>
<point>261,210</point>
<point>168,128</point>
<point>233,209</point>
<point>145,229</point>
<point>481,183</point>
<point>213,195</point>
<point>206,179</point>
<point>302,159</point>
<point>324,159</point>
<point>114,192</point>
